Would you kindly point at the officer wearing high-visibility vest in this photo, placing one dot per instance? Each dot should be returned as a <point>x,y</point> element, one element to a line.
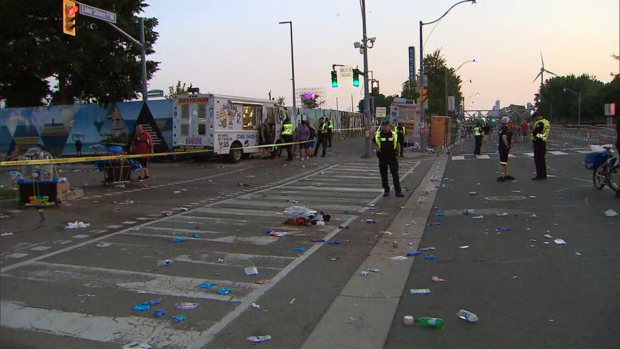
<point>330,129</point>
<point>402,132</point>
<point>540,135</point>
<point>287,136</point>
<point>322,137</point>
<point>385,143</point>
<point>478,139</point>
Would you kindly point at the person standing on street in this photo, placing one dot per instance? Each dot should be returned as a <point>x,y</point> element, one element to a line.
<point>478,139</point>
<point>330,130</point>
<point>402,131</point>
<point>505,140</point>
<point>312,139</point>
<point>540,135</point>
<point>524,128</point>
<point>142,143</point>
<point>78,147</point>
<point>302,137</point>
<point>487,131</point>
<point>287,137</point>
<point>322,130</point>
<point>386,145</point>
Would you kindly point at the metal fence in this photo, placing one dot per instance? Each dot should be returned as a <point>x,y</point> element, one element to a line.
<point>597,134</point>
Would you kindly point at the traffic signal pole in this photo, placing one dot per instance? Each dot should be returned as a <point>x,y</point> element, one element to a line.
<point>366,94</point>
<point>142,45</point>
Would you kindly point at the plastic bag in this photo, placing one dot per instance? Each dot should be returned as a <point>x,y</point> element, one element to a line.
<point>300,211</point>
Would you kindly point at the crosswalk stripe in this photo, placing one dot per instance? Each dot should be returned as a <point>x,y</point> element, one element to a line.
<point>529,154</point>
<point>558,153</point>
<point>458,157</point>
<point>482,157</point>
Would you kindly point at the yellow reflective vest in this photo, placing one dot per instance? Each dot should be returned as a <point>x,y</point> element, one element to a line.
<point>380,139</point>
<point>546,129</point>
<point>288,130</point>
<point>477,131</point>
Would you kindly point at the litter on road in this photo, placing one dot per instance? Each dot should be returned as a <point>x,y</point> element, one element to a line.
<point>318,240</point>
<point>261,282</point>
<point>299,249</point>
<point>142,307</point>
<point>505,214</point>
<point>279,234</point>
<point>375,270</point>
<point>251,271</point>
<point>429,322</point>
<point>179,239</point>
<point>548,236</point>
<point>179,318</point>
<point>467,316</point>
<point>255,306</point>
<point>611,213</point>
<point>560,241</point>
<point>259,339</point>
<point>478,217</point>
<point>534,216</point>
<point>186,306</point>
<point>164,262</point>
<point>136,345</point>
<point>76,225</point>
<point>196,236</point>
<point>399,258</point>
<point>414,253</point>
<point>559,198</point>
<point>437,279</point>
<point>364,273</point>
<point>427,249</point>
<point>464,247</point>
<point>577,254</point>
<point>420,291</point>
<point>430,257</point>
<point>184,209</point>
<point>207,285</point>
<point>160,312</point>
<point>473,192</point>
<point>224,291</point>
<point>335,243</point>
<point>103,245</point>
<point>435,224</point>
<point>504,228</point>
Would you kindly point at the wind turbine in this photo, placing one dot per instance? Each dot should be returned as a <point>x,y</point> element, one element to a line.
<point>543,70</point>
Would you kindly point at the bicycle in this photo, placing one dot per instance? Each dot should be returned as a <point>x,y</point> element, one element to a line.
<point>605,173</point>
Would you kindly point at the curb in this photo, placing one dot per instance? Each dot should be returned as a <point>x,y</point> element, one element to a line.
<point>362,314</point>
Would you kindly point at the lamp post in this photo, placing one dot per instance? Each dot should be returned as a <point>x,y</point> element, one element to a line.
<point>292,68</point>
<point>579,95</point>
<point>422,24</point>
<point>363,47</point>
<point>474,61</point>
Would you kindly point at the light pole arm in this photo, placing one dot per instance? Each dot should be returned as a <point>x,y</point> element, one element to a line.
<point>460,66</point>
<point>450,9</point>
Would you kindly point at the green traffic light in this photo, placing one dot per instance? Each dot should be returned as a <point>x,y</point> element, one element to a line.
<point>334,79</point>
<point>356,78</point>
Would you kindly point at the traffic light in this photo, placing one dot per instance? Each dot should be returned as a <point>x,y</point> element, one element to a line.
<point>69,10</point>
<point>375,88</point>
<point>356,77</point>
<point>334,79</point>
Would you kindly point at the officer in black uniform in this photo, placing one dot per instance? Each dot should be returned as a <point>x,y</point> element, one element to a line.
<point>322,141</point>
<point>540,135</point>
<point>402,132</point>
<point>386,145</point>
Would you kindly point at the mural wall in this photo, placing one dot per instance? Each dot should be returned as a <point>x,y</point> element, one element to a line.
<point>59,127</point>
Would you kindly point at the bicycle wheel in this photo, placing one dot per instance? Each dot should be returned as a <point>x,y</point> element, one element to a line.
<point>612,178</point>
<point>599,177</point>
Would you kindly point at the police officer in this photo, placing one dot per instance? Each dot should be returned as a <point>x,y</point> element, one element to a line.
<point>287,136</point>
<point>402,131</point>
<point>505,141</point>
<point>478,139</point>
<point>386,145</point>
<point>330,129</point>
<point>322,134</point>
<point>540,135</point>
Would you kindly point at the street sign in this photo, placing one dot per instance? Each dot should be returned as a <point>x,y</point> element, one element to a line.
<point>380,112</point>
<point>451,103</point>
<point>411,63</point>
<point>345,72</point>
<point>94,12</point>
<point>155,93</point>
<point>610,109</point>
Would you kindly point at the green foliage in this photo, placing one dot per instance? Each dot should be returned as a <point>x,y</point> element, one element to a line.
<point>311,103</point>
<point>409,90</point>
<point>179,89</point>
<point>99,64</point>
<point>280,101</point>
<point>435,68</point>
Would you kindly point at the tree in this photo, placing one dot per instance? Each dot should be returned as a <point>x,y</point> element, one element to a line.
<point>312,102</point>
<point>435,68</point>
<point>563,106</point>
<point>409,90</point>
<point>98,64</point>
<point>174,91</point>
<point>280,101</point>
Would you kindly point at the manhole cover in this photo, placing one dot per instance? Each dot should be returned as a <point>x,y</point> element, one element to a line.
<point>505,198</point>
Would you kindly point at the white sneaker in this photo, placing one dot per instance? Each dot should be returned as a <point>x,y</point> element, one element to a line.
<point>307,157</point>
<point>302,159</point>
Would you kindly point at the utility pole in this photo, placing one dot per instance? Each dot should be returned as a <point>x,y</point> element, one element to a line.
<point>366,94</point>
<point>143,63</point>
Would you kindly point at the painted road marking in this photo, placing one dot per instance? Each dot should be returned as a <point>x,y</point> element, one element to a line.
<point>114,226</point>
<point>529,154</point>
<point>479,157</point>
<point>80,236</point>
<point>17,255</point>
<point>511,156</point>
<point>40,248</point>
<point>558,153</point>
<point>458,157</point>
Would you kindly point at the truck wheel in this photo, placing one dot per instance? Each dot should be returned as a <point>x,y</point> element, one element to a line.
<point>236,153</point>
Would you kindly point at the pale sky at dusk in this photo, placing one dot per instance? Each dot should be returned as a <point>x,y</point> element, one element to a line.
<point>237,47</point>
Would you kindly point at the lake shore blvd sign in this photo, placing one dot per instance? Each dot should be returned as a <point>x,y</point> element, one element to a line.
<point>91,11</point>
<point>155,93</point>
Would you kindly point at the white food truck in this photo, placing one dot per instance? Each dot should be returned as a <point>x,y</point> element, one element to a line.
<point>223,125</point>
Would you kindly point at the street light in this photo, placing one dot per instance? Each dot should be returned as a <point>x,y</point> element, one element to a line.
<point>292,68</point>
<point>422,140</point>
<point>474,62</point>
<point>363,47</point>
<point>579,95</point>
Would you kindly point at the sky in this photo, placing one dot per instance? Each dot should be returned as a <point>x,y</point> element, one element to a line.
<point>237,47</point>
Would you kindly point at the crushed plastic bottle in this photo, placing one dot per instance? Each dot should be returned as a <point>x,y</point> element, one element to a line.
<point>429,322</point>
<point>160,312</point>
<point>186,306</point>
<point>467,316</point>
<point>469,211</point>
<point>164,262</point>
<point>259,339</point>
<point>179,239</point>
<point>179,318</point>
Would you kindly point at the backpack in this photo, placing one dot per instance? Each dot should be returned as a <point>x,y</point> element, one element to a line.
<point>595,160</point>
<point>312,132</point>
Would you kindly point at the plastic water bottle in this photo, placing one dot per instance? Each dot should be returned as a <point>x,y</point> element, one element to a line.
<point>467,316</point>
<point>259,339</point>
<point>429,322</point>
<point>469,211</point>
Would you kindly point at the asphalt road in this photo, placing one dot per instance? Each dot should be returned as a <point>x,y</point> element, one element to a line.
<point>527,291</point>
<point>64,288</point>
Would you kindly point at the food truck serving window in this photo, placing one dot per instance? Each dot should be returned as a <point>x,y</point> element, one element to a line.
<point>252,114</point>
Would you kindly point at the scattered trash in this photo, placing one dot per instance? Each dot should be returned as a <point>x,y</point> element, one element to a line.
<point>76,225</point>
<point>318,240</point>
<point>300,211</point>
<point>347,212</point>
<point>179,318</point>
<point>516,191</point>
<point>515,277</point>
<point>176,192</point>
<point>279,234</point>
<point>408,320</point>
<point>320,224</point>
<point>369,221</point>
<point>399,258</point>
<point>184,209</point>
<point>534,216</point>
<point>388,233</point>
<point>164,262</point>
<point>427,249</point>
<point>430,257</point>
<point>333,259</point>
<point>343,226</point>
<point>261,282</point>
<point>478,217</point>
<point>219,260</point>
<point>546,242</point>
<point>160,312</point>
<point>142,307</point>
<point>179,239</point>
<point>395,243</point>
<point>464,247</point>
<point>559,198</point>
<point>414,253</point>
<point>364,273</point>
<point>439,214</point>
<point>504,228</point>
<point>186,306</point>
<point>505,214</point>
<point>134,229</point>
<point>335,243</point>
<point>533,240</point>
<point>168,213</point>
<point>532,197</point>
<point>224,291</point>
<point>299,249</point>
<point>611,213</point>
<point>86,295</point>
<point>255,306</point>
<point>469,211</point>
<point>207,285</point>
<point>259,339</point>
<point>127,202</point>
<point>435,224</point>
<point>429,322</point>
<point>136,345</point>
<point>467,316</point>
<point>251,271</point>
<point>242,185</point>
<point>420,291</point>
<point>577,254</point>
<point>437,279</point>
<point>473,193</point>
<point>548,236</point>
<point>375,270</point>
<point>103,245</point>
<point>292,301</point>
<point>560,241</point>
<point>196,236</point>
